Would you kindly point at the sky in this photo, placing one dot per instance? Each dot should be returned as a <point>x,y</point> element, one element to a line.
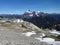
<point>20,6</point>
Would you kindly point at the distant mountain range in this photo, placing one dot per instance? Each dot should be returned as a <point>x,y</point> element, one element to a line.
<point>41,19</point>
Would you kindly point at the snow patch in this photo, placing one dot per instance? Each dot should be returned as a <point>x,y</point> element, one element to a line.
<point>18,20</point>
<point>31,15</point>
<point>55,32</point>
<point>48,40</point>
<point>29,33</point>
<point>42,35</point>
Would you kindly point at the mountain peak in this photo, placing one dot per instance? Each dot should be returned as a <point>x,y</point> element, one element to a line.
<point>29,11</point>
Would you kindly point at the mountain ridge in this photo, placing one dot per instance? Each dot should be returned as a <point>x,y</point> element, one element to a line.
<point>40,19</point>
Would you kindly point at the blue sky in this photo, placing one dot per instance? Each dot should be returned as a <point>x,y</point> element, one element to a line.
<point>20,6</point>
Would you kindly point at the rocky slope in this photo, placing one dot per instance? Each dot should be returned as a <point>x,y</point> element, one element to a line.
<point>20,32</point>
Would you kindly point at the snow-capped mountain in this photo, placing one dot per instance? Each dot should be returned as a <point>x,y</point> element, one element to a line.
<point>41,19</point>
<point>28,14</point>
<point>32,13</point>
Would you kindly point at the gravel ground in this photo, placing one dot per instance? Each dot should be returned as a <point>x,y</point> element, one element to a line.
<point>12,37</point>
